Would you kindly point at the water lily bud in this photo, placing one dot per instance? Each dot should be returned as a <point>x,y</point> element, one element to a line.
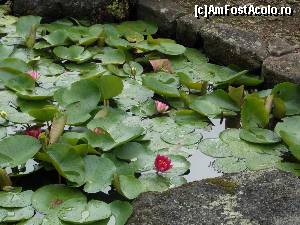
<point>162,163</point>
<point>3,114</point>
<point>98,131</point>
<point>133,71</point>
<point>34,74</point>
<point>33,132</point>
<point>161,107</point>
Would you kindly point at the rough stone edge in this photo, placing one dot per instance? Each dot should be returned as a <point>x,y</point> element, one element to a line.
<point>169,16</point>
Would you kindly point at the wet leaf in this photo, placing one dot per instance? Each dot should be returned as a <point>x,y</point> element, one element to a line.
<point>99,173</point>
<point>49,198</point>
<point>80,212</point>
<point>12,151</point>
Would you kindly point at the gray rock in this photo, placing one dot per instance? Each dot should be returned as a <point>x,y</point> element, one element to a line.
<point>226,44</point>
<point>96,10</point>
<point>163,12</point>
<point>278,47</point>
<point>280,69</point>
<point>187,31</point>
<point>260,198</point>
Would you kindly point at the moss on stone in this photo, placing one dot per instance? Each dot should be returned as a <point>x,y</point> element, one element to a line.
<point>228,185</point>
<point>118,9</point>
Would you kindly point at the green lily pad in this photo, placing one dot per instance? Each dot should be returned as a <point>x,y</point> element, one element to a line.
<point>73,53</point>
<point>129,186</point>
<point>49,198</point>
<point>289,93</point>
<point>215,148</point>
<point>154,183</point>
<point>133,68</point>
<point>25,24</point>
<point>121,211</point>
<point>254,113</point>
<point>12,151</point>
<point>99,173</point>
<point>16,80</point>
<point>289,131</point>
<point>110,86</point>
<point>5,51</point>
<point>181,136</point>
<point>18,214</point>
<point>15,199</point>
<point>67,162</point>
<point>159,87</point>
<point>78,211</point>
<point>259,136</point>
<point>111,56</point>
<point>230,165</point>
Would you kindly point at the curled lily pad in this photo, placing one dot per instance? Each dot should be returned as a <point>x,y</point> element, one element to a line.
<point>80,212</point>
<point>133,68</point>
<point>50,198</point>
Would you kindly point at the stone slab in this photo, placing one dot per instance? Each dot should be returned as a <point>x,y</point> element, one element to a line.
<point>260,198</point>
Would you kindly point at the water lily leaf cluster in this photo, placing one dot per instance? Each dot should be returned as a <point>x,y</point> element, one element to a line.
<point>114,108</point>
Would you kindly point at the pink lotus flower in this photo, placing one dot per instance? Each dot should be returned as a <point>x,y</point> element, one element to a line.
<point>34,132</point>
<point>162,163</point>
<point>34,74</point>
<point>161,107</point>
<point>98,131</point>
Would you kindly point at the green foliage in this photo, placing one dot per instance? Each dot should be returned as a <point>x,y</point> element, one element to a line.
<point>95,100</point>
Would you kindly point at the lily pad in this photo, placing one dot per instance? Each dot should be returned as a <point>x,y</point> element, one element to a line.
<point>259,136</point>
<point>121,211</point>
<point>99,173</point>
<point>15,199</point>
<point>49,198</point>
<point>12,150</point>
<point>79,211</point>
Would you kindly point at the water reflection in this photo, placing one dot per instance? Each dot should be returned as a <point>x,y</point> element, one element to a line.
<point>201,165</point>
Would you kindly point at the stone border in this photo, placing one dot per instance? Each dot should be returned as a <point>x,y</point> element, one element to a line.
<point>224,44</point>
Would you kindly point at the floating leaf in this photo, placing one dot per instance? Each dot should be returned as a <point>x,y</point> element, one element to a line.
<point>67,162</point>
<point>129,186</point>
<point>99,173</point>
<point>159,87</point>
<point>49,198</point>
<point>73,53</point>
<point>121,211</point>
<point>259,136</point>
<point>15,199</point>
<point>5,51</point>
<point>80,212</point>
<point>17,150</point>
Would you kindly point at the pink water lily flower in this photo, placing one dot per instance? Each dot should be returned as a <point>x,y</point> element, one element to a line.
<point>161,107</point>
<point>33,132</point>
<point>34,74</point>
<point>162,163</point>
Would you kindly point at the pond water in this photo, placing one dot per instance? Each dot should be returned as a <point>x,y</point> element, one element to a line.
<point>201,165</point>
